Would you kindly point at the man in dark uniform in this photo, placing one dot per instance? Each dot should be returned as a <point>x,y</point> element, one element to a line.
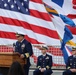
<point>71,64</point>
<point>44,63</point>
<point>25,49</point>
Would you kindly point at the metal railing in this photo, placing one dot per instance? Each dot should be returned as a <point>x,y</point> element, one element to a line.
<point>54,51</point>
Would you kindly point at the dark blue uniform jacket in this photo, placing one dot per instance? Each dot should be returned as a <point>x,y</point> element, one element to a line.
<point>44,62</point>
<point>24,47</point>
<point>71,62</point>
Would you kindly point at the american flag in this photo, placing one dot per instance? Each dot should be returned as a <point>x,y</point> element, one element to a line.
<point>29,17</point>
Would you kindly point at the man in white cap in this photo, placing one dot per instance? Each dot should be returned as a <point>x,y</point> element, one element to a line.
<point>25,49</point>
<point>44,63</point>
<point>71,64</point>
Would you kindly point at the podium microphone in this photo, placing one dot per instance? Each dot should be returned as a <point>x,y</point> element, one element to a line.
<point>14,44</point>
<point>14,47</point>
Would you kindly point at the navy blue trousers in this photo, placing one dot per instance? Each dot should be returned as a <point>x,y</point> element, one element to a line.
<point>26,69</point>
<point>1,74</point>
<point>68,72</point>
<point>46,72</point>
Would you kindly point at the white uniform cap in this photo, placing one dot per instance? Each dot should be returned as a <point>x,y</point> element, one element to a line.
<point>44,47</point>
<point>73,48</point>
<point>20,34</point>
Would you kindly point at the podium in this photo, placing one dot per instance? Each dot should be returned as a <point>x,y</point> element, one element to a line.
<point>7,58</point>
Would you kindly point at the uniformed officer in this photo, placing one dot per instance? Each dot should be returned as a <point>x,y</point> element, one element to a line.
<point>25,49</point>
<point>71,64</point>
<point>44,63</point>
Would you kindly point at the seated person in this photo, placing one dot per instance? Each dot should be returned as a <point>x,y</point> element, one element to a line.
<point>71,64</point>
<point>44,63</point>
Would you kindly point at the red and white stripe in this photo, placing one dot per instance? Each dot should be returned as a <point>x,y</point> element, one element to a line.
<point>37,26</point>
